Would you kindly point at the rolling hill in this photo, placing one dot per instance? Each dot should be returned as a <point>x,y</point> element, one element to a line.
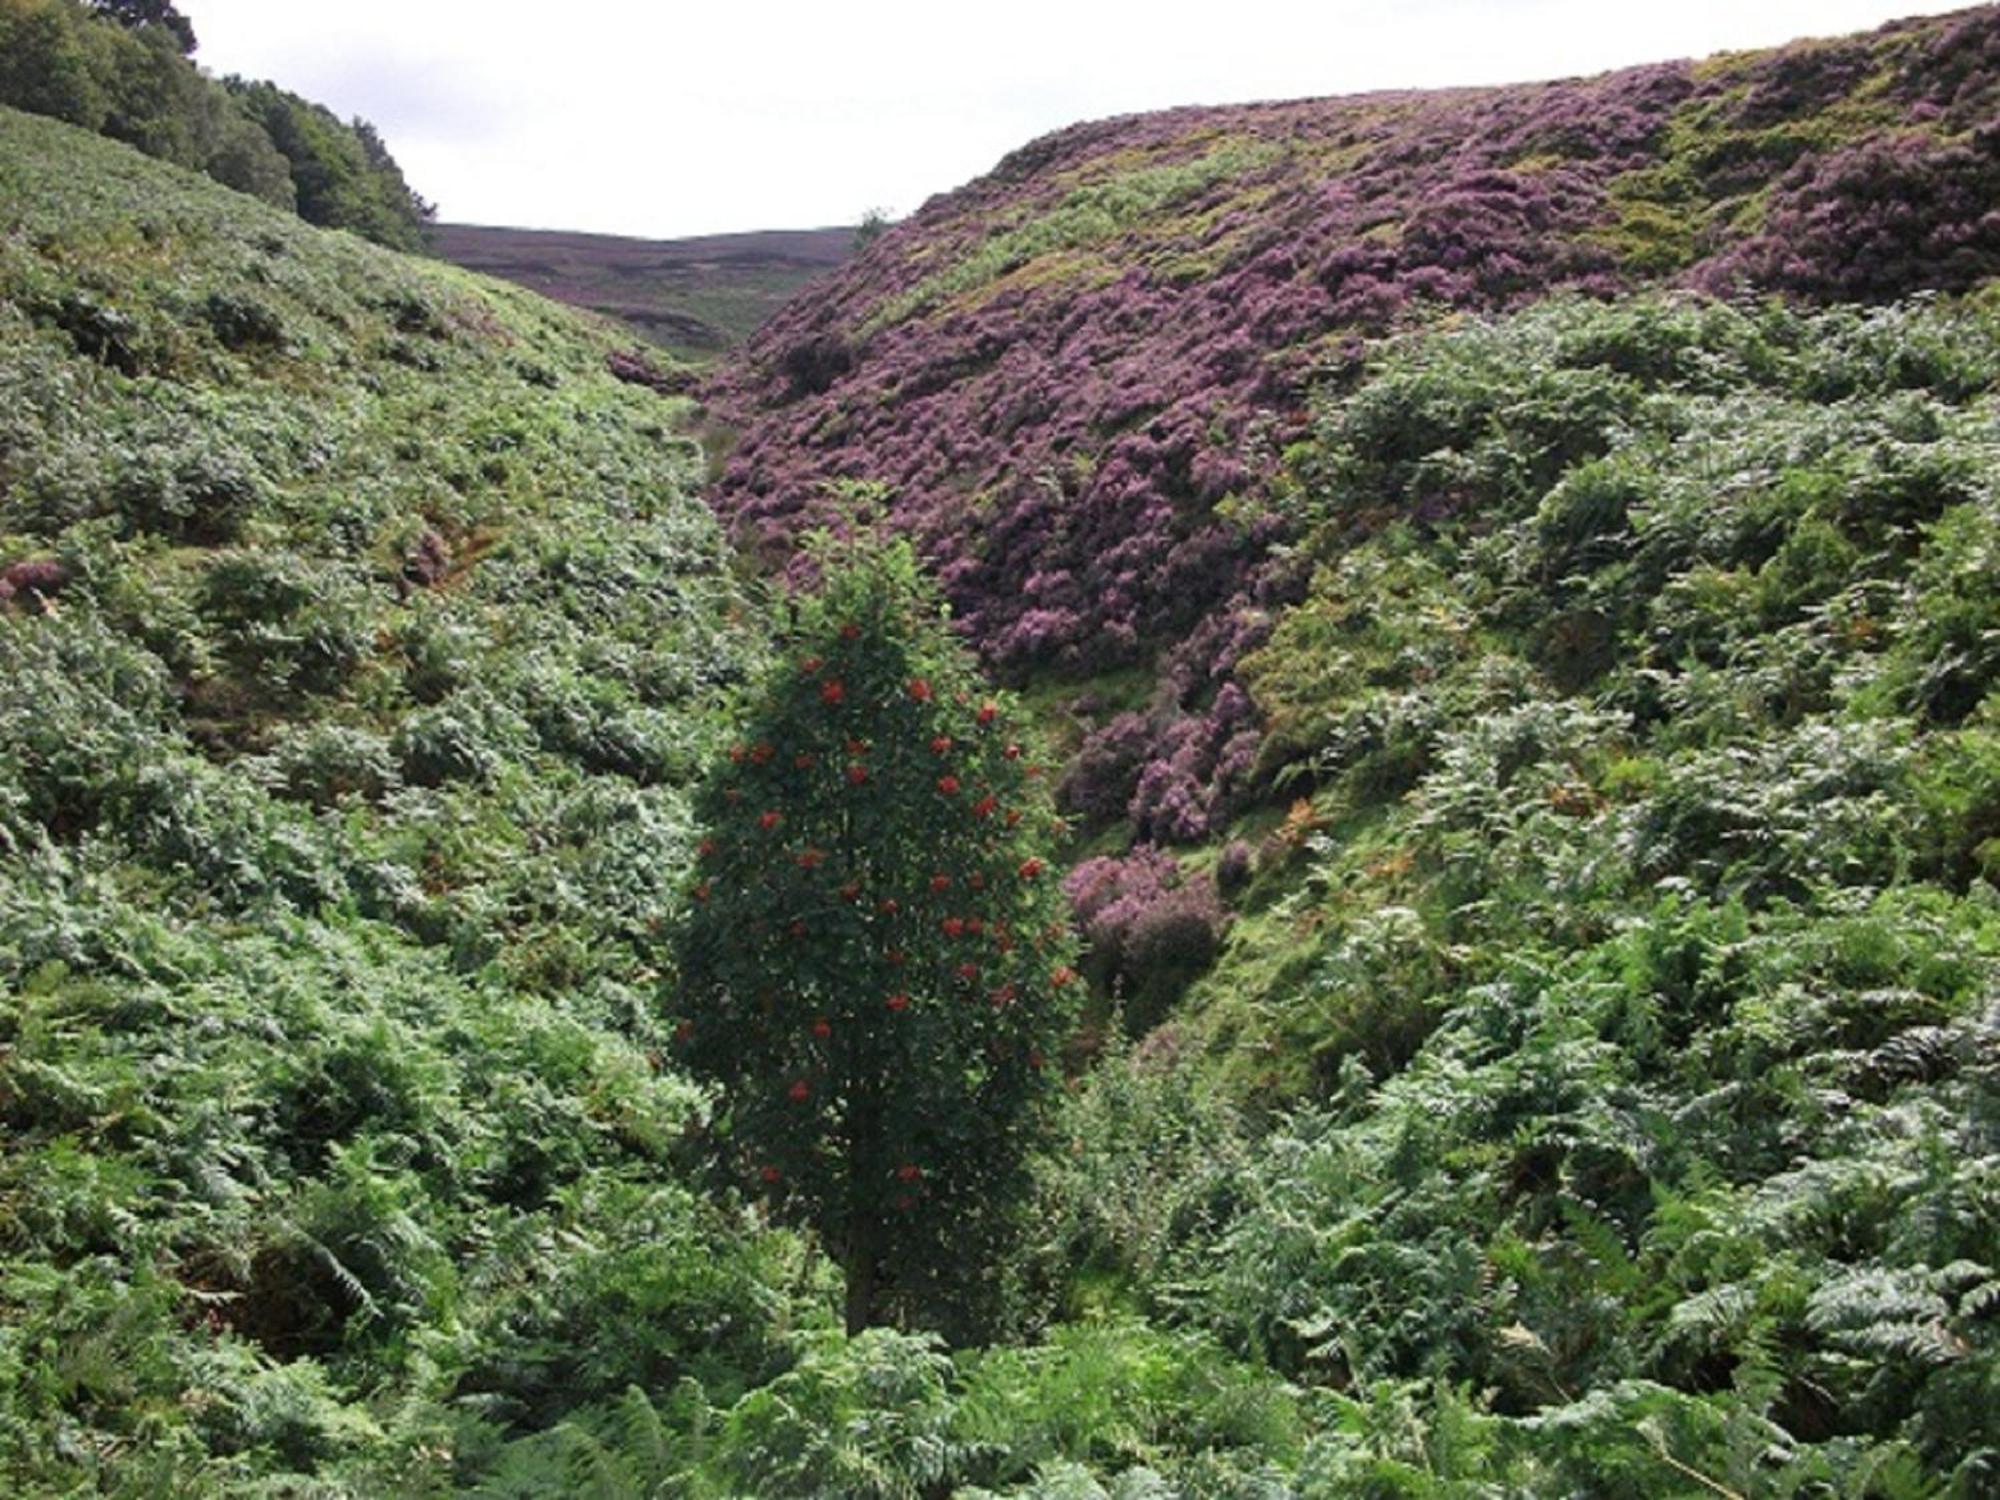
<point>695,297</point>
<point>361,631</point>
<point>1075,380</point>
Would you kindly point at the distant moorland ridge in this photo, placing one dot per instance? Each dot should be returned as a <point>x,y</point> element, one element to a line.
<point>695,296</point>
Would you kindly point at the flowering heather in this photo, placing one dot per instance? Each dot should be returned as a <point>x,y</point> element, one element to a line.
<point>1076,377</point>
<point>1151,926</point>
<point>1878,220</point>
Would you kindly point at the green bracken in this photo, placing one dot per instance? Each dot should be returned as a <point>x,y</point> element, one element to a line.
<point>1596,1093</point>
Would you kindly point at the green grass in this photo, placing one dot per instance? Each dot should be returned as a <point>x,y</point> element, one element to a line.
<point>1088,216</point>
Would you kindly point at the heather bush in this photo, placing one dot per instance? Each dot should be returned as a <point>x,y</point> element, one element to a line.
<point>1102,775</point>
<point>1151,928</point>
<point>1879,220</point>
<point>1234,867</point>
<point>1167,946</point>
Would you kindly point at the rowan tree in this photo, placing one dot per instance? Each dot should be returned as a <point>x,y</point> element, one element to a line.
<point>875,960</point>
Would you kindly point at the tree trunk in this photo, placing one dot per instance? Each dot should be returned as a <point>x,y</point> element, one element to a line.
<point>860,1279</point>
<point>863,1252</point>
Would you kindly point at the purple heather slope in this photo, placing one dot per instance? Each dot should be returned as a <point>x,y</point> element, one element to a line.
<point>1076,375</point>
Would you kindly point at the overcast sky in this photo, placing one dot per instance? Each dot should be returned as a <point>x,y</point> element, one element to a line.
<point>663,118</point>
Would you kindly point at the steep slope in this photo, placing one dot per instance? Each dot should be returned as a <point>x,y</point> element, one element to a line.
<point>1595,1094</point>
<point>1574,673</point>
<point>695,297</point>
<point>1077,377</point>
<point>358,630</point>
<point>1617,1007</point>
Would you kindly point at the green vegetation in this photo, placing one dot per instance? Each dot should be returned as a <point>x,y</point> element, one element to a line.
<point>1595,1092</point>
<point>876,964</point>
<point>120,68</point>
<point>342,174</point>
<point>1633,950</point>
<point>363,634</point>
<point>1089,215</point>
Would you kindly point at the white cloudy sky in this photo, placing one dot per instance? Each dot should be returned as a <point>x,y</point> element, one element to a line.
<point>661,117</point>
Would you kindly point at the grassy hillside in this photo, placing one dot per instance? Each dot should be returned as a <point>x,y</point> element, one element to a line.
<point>360,632</point>
<point>695,297</point>
<point>1077,377</point>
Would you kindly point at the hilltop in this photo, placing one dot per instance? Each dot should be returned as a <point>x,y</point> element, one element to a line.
<point>1075,380</point>
<point>124,69</point>
<point>693,296</point>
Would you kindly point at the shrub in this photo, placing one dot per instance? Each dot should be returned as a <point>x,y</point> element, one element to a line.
<point>1234,867</point>
<point>242,322</point>
<point>1151,928</point>
<point>464,738</point>
<point>325,764</point>
<point>287,624</point>
<point>1101,777</point>
<point>201,494</point>
<point>1881,219</point>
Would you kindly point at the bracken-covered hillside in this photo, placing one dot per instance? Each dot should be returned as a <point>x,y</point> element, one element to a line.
<point>1560,1058</point>
<point>1077,376</point>
<point>358,631</point>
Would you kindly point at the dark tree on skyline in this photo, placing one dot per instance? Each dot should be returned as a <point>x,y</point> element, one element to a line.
<point>151,13</point>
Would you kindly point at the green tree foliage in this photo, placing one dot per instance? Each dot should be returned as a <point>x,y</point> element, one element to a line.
<point>238,152</point>
<point>875,223</point>
<point>875,965</point>
<point>120,67</point>
<point>343,174</point>
<point>141,15</point>
<point>47,66</point>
